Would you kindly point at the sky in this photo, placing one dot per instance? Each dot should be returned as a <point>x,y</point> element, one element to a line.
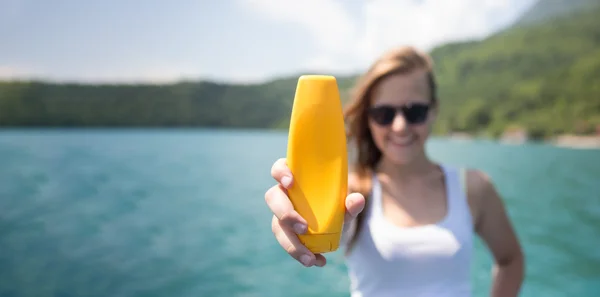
<point>130,41</point>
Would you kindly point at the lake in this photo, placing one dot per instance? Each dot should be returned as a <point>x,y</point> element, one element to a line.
<point>182,213</point>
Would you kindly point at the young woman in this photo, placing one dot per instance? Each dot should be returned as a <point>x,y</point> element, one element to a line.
<point>409,221</point>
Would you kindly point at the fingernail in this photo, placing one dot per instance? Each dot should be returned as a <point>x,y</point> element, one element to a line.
<point>286,181</point>
<point>299,228</point>
<point>350,201</point>
<point>305,259</point>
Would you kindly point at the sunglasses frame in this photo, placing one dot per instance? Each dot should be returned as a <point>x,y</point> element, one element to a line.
<point>411,115</point>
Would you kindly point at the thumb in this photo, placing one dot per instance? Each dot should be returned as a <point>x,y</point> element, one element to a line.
<point>355,203</point>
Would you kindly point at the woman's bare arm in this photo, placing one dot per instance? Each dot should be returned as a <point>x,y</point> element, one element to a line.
<point>493,225</point>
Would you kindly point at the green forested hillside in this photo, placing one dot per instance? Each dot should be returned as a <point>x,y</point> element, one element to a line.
<point>184,104</point>
<point>541,76</point>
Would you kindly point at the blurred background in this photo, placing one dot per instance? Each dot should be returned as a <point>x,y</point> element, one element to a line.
<point>137,137</point>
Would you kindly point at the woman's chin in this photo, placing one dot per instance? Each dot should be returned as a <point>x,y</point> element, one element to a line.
<point>402,154</point>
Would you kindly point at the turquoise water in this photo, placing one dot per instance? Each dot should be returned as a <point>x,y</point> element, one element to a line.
<point>182,213</point>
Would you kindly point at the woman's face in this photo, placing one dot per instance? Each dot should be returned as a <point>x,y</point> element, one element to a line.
<point>401,136</point>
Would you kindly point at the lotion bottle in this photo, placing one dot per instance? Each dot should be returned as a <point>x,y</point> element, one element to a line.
<point>317,158</point>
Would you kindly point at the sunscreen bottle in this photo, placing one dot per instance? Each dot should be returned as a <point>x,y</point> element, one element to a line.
<point>317,158</point>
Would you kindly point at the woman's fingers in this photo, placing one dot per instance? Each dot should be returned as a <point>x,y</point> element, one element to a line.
<point>292,245</point>
<point>281,173</point>
<point>355,203</point>
<point>282,208</point>
<point>320,260</point>
<point>286,222</point>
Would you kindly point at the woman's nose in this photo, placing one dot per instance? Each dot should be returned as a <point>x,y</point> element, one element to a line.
<point>399,123</point>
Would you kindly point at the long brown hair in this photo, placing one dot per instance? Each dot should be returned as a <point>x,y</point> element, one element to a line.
<point>401,60</point>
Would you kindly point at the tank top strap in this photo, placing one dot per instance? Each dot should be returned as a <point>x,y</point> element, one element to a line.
<point>375,201</point>
<point>456,182</point>
<point>462,172</point>
<point>458,207</point>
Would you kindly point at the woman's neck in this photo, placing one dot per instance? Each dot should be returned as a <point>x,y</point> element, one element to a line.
<point>416,169</point>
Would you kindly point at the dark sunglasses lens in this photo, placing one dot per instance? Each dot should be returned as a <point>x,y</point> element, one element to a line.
<point>416,114</point>
<point>383,115</point>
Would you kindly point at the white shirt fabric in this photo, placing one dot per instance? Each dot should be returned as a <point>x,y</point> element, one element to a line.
<point>424,261</point>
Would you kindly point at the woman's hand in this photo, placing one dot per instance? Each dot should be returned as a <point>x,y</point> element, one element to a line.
<point>287,223</point>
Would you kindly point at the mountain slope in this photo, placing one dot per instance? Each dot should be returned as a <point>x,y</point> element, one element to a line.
<point>547,10</point>
<point>543,77</point>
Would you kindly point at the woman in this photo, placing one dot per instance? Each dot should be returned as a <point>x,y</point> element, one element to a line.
<point>409,222</point>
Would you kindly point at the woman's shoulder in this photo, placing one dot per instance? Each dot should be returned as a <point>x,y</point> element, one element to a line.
<point>477,182</point>
<point>479,188</point>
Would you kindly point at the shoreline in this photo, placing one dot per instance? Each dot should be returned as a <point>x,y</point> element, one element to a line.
<point>577,141</point>
<point>565,141</point>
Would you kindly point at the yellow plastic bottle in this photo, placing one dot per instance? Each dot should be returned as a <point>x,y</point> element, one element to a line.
<point>317,158</point>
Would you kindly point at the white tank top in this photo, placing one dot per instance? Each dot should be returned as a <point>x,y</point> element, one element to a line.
<point>423,261</point>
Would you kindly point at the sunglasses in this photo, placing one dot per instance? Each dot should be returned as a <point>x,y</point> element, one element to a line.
<point>384,115</point>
